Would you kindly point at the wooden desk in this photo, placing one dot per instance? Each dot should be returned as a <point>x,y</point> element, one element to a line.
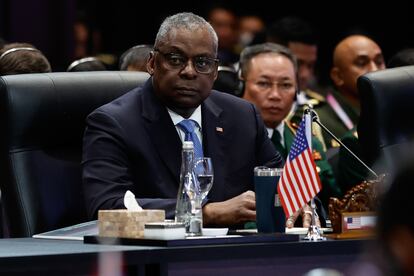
<point>28,256</point>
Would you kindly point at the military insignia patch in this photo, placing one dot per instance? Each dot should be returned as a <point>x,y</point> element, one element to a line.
<point>316,155</point>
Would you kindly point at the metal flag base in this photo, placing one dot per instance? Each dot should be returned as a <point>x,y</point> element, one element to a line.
<point>314,234</point>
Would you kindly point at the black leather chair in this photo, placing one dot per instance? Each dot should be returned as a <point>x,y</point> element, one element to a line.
<point>228,81</point>
<point>42,117</point>
<point>386,127</point>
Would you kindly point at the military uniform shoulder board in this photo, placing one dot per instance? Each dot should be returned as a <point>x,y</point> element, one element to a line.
<point>355,134</point>
<point>335,144</point>
<point>313,102</point>
<point>316,155</point>
<point>293,126</point>
<point>312,95</point>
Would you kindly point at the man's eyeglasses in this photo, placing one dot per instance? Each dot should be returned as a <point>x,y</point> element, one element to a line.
<point>202,65</point>
<point>265,85</point>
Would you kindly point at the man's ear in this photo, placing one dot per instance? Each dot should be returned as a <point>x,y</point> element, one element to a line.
<point>215,74</point>
<point>150,63</point>
<point>336,76</point>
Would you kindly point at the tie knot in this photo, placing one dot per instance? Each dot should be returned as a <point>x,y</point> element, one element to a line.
<point>187,125</point>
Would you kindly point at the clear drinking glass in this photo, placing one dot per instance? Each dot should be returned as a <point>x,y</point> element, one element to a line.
<point>197,190</point>
<point>203,171</point>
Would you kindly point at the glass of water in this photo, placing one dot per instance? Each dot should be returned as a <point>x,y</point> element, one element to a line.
<point>197,191</point>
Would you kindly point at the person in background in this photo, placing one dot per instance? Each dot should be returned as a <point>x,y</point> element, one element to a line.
<point>352,173</point>
<point>22,58</point>
<point>86,64</point>
<point>353,56</point>
<point>249,27</point>
<point>299,36</point>
<point>87,38</point>
<point>135,58</point>
<point>134,143</point>
<point>269,72</point>
<point>224,22</point>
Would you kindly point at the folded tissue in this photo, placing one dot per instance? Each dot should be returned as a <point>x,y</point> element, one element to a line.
<point>130,202</point>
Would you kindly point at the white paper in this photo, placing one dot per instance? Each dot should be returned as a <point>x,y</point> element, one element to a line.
<point>130,202</point>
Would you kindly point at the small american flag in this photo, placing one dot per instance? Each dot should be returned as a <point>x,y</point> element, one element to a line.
<point>300,181</point>
<point>353,223</point>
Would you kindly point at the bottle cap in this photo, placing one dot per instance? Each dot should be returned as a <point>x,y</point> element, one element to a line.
<point>265,171</point>
<point>188,145</point>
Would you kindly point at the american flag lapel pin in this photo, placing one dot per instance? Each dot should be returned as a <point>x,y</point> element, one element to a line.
<point>219,129</point>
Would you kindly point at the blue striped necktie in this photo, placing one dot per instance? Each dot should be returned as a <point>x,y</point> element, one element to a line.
<point>188,127</point>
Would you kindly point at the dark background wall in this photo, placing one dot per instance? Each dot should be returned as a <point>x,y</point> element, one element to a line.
<point>48,24</point>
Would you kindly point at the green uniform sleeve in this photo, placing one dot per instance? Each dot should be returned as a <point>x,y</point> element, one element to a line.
<point>330,187</point>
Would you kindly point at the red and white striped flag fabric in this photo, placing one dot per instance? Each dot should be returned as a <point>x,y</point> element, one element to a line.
<point>300,181</point>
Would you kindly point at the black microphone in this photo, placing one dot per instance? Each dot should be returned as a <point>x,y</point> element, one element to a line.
<point>315,118</point>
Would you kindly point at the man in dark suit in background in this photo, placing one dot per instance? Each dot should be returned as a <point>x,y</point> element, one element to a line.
<point>134,143</point>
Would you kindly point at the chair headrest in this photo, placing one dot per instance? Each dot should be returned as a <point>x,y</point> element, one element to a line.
<point>387,103</point>
<point>53,106</point>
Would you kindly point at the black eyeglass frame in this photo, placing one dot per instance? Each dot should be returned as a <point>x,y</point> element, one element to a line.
<point>183,61</point>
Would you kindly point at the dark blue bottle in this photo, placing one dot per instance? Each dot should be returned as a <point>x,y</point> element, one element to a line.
<point>270,216</point>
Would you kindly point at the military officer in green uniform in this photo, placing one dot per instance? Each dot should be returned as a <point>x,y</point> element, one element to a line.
<point>353,56</point>
<point>299,36</point>
<point>270,82</point>
<point>350,172</point>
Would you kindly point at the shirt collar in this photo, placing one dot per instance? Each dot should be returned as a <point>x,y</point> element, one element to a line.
<point>196,116</point>
<point>280,128</point>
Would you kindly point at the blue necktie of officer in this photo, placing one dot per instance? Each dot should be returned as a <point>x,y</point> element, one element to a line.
<point>188,127</point>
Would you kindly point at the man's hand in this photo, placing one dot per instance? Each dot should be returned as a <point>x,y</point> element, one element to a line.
<point>306,213</point>
<point>236,210</point>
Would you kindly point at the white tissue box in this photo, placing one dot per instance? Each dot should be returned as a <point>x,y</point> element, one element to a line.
<point>164,230</point>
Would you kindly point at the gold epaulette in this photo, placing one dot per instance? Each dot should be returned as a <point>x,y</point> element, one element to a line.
<point>313,102</point>
<point>355,134</point>
<point>334,144</point>
<point>316,131</point>
<point>292,126</point>
<point>315,96</point>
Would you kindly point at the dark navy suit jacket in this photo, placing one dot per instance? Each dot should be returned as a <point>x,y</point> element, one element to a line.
<point>132,144</point>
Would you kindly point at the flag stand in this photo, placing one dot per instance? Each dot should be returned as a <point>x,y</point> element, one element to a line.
<point>314,233</point>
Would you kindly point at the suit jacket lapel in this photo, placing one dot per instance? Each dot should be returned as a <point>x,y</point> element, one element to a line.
<point>214,137</point>
<point>162,131</point>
